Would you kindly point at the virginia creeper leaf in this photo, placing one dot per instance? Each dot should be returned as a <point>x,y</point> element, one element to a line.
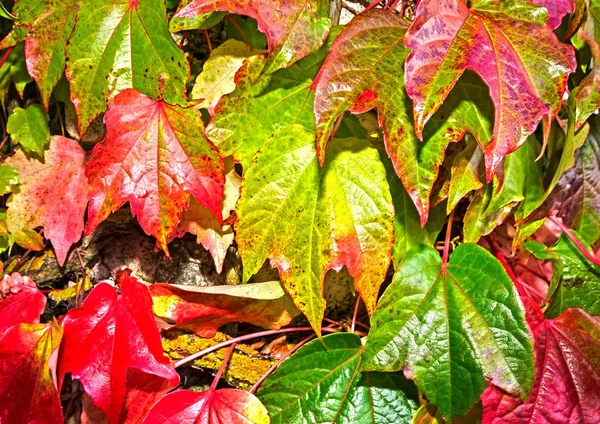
<point>20,301</point>
<point>453,330</point>
<point>557,9</point>
<point>112,346</point>
<point>364,70</point>
<point>567,383</point>
<point>508,45</point>
<point>466,174</point>
<point>29,128</point>
<point>46,42</point>
<point>58,207</point>
<point>210,232</point>
<point>293,28</point>
<point>29,239</point>
<point>204,309</point>
<point>26,11</point>
<point>218,74</point>
<point>118,45</point>
<point>28,392</point>
<point>202,21</point>
<point>231,406</point>
<point>322,383</point>
<point>9,177</point>
<point>14,71</point>
<point>154,156</point>
<point>307,220</point>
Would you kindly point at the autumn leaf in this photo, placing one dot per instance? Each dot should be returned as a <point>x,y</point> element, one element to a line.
<point>204,309</point>
<point>446,328</point>
<point>294,28</point>
<point>14,71</point>
<point>328,373</point>
<point>363,71</point>
<point>9,177</point>
<point>557,9</point>
<point>466,174</point>
<point>58,207</point>
<point>231,406</point>
<point>20,301</point>
<point>112,346</point>
<point>29,128</point>
<point>307,220</point>
<point>28,392</point>
<point>567,383</point>
<point>26,13</point>
<point>202,21</point>
<point>508,45</point>
<point>119,45</point>
<point>154,156</point>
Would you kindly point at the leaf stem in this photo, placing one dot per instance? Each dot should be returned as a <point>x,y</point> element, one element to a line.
<point>213,386</point>
<point>8,52</point>
<point>210,49</point>
<point>355,314</point>
<point>447,241</point>
<point>576,241</point>
<point>235,24</point>
<point>244,338</point>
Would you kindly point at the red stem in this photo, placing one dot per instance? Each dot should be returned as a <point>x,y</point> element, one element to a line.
<point>213,386</point>
<point>576,241</point>
<point>8,52</point>
<point>534,272</point>
<point>372,5</point>
<point>234,23</point>
<point>208,41</point>
<point>247,337</point>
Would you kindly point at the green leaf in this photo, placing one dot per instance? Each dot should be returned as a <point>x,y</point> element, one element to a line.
<point>203,21</point>
<point>540,251</point>
<point>579,285</point>
<point>307,220</point>
<point>466,174</point>
<point>6,14</point>
<point>29,239</point>
<point>452,331</point>
<point>322,383</point>
<point>29,128</point>
<point>14,71</point>
<point>119,45</point>
<point>250,31</point>
<point>26,11</point>
<point>9,177</point>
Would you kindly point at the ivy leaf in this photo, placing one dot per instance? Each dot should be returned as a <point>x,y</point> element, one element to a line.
<point>452,330</point>
<point>58,207</point>
<point>28,391</point>
<point>351,79</point>
<point>118,45</point>
<point>232,406</point>
<point>576,197</point>
<point>294,28</point>
<point>567,383</point>
<point>112,346</point>
<point>327,372</point>
<point>20,301</point>
<point>154,156</point>
<point>9,177</point>
<point>218,74</point>
<point>46,43</point>
<point>307,220</point>
<point>29,128</point>
<point>446,38</point>
<point>210,232</point>
<point>204,309</point>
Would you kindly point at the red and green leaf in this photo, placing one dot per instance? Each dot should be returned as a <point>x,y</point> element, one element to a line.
<point>20,301</point>
<point>154,156</point>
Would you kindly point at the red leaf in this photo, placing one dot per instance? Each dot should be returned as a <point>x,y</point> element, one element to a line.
<point>293,28</point>
<point>203,311</point>
<point>58,206</point>
<point>231,406</point>
<point>154,156</point>
<point>567,383</point>
<point>557,9</point>
<point>112,345</point>
<point>20,301</point>
<point>28,392</point>
<point>508,45</point>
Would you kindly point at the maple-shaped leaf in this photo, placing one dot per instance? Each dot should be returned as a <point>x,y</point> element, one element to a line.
<point>29,128</point>
<point>218,73</point>
<point>204,309</point>
<point>508,45</point>
<point>327,372</point>
<point>118,45</point>
<point>452,330</point>
<point>215,236</point>
<point>58,207</point>
<point>294,28</point>
<point>231,406</point>
<point>20,301</point>
<point>28,392</point>
<point>112,346</point>
<point>154,156</point>
<point>363,71</point>
<point>307,220</point>
<point>567,383</point>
